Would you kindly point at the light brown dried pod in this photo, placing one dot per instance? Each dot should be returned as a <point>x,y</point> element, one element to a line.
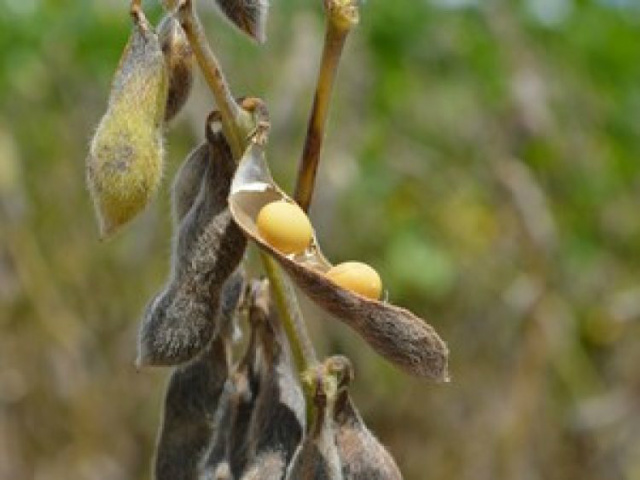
<point>192,398</point>
<point>180,61</point>
<point>395,333</point>
<point>180,321</point>
<point>362,456</point>
<point>318,457</point>
<point>125,160</point>
<point>250,16</point>
<point>277,423</point>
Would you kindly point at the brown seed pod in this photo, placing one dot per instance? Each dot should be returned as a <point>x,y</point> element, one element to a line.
<point>228,449</point>
<point>190,404</point>
<point>179,58</point>
<point>193,395</point>
<point>125,160</point>
<point>395,333</point>
<point>216,460</point>
<point>250,16</point>
<point>180,321</point>
<point>247,382</point>
<point>278,419</point>
<point>362,456</point>
<point>318,456</point>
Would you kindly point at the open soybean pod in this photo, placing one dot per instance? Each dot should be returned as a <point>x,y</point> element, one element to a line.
<point>125,160</point>
<point>278,420</point>
<point>362,456</point>
<point>395,333</point>
<point>193,397</point>
<point>181,320</point>
<point>180,64</point>
<point>250,16</point>
<point>318,457</point>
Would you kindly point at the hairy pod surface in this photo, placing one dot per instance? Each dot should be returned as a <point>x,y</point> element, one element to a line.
<point>395,333</point>
<point>125,160</point>
<point>190,404</point>
<point>248,382</point>
<point>277,424</point>
<point>193,397</point>
<point>250,16</point>
<point>188,181</point>
<point>180,321</point>
<point>180,61</point>
<point>229,450</point>
<point>318,456</point>
<point>362,456</point>
<point>216,461</point>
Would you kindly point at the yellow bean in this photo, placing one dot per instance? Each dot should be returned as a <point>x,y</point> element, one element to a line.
<point>284,226</point>
<point>357,277</point>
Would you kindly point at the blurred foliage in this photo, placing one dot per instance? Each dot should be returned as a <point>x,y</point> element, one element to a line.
<point>483,155</point>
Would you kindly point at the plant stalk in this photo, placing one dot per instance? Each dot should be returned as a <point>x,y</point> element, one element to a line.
<point>237,126</point>
<point>236,122</point>
<point>342,15</point>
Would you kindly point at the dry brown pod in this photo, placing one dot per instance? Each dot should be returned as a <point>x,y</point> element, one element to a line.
<point>190,404</point>
<point>180,62</point>
<point>180,321</point>
<point>362,456</point>
<point>395,333</point>
<point>277,423</point>
<point>318,457</point>
<point>250,16</point>
<point>229,447</point>
<point>192,398</point>
<point>125,160</point>
<point>188,181</point>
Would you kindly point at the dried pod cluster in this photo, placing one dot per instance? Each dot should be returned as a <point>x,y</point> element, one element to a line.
<point>395,333</point>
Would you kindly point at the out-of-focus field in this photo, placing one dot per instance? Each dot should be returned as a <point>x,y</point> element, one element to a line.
<point>484,156</point>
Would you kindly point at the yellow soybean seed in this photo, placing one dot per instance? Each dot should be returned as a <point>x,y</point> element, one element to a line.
<point>284,226</point>
<point>357,277</point>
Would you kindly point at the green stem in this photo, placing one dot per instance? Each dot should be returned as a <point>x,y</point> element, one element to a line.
<point>303,352</point>
<point>342,15</point>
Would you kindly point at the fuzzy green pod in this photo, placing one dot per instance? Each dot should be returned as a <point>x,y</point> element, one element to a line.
<point>125,161</point>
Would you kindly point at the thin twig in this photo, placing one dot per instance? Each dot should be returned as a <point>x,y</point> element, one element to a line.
<point>342,15</point>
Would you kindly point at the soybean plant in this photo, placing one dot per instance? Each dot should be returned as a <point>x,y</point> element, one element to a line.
<point>276,412</point>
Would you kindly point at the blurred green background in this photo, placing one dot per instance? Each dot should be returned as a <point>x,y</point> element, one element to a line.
<point>484,156</point>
